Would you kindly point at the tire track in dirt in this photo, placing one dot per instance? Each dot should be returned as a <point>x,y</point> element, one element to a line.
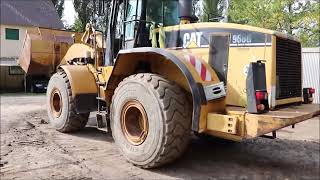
<point>34,150</point>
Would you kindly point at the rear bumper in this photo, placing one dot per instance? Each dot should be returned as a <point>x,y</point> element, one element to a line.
<point>281,118</point>
<point>254,125</point>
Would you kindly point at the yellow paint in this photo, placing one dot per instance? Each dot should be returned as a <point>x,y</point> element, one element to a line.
<point>239,60</point>
<point>222,123</point>
<point>78,50</point>
<point>184,21</point>
<point>224,135</point>
<point>106,72</point>
<point>255,125</point>
<point>215,115</point>
<point>81,79</point>
<point>201,54</point>
<point>91,35</point>
<point>220,25</point>
<point>216,106</point>
<point>43,50</point>
<point>272,65</point>
<point>288,101</point>
<point>240,114</point>
<point>251,126</point>
<point>192,44</point>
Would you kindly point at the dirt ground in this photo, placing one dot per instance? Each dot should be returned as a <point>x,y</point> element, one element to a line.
<point>31,149</point>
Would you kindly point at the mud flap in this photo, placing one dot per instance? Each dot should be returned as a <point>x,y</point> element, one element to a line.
<point>85,103</point>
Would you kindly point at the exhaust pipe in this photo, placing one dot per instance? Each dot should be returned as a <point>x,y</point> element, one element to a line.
<point>185,11</point>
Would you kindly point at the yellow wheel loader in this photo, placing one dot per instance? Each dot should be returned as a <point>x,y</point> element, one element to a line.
<point>160,76</point>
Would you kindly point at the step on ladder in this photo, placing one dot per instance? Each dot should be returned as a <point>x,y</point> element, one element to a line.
<point>102,118</point>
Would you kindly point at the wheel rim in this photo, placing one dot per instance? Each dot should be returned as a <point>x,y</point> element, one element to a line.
<point>56,103</point>
<point>134,122</point>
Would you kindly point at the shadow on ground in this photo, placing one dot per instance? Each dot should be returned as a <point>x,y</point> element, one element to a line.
<point>93,133</point>
<point>258,158</point>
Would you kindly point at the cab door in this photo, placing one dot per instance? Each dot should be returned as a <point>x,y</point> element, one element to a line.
<point>132,16</point>
<point>136,31</point>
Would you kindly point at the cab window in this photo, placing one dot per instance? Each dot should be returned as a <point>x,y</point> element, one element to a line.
<point>133,13</point>
<point>166,15</point>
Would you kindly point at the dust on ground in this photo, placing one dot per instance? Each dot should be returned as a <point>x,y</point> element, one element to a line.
<point>31,149</point>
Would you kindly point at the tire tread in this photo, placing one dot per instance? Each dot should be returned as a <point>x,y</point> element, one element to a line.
<point>177,115</point>
<point>74,121</point>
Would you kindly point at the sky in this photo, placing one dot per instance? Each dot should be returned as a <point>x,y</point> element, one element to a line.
<point>69,13</point>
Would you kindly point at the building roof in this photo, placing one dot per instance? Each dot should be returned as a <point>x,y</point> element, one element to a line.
<point>39,13</point>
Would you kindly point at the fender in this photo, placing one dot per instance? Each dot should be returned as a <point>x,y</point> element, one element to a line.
<point>128,60</point>
<point>83,87</point>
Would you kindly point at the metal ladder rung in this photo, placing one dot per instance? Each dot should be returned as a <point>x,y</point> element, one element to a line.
<point>100,98</point>
<point>101,83</point>
<point>103,123</point>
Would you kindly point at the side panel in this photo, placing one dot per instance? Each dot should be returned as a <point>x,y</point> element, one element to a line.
<point>239,60</point>
<point>247,44</point>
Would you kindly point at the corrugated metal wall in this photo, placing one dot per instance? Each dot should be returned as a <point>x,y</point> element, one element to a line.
<point>311,69</point>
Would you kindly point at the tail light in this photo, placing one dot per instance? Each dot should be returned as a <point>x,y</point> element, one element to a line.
<point>261,101</point>
<point>308,95</point>
<point>261,95</point>
<point>257,95</point>
<point>312,91</point>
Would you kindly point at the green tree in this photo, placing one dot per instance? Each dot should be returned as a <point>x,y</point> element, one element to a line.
<point>84,14</point>
<point>195,7</point>
<point>211,10</point>
<point>88,12</point>
<point>77,26</point>
<point>294,17</point>
<point>59,5</point>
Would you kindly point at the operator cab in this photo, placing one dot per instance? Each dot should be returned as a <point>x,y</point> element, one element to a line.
<point>131,21</point>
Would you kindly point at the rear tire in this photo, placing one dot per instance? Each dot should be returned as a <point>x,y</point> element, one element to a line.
<point>168,114</point>
<point>60,105</point>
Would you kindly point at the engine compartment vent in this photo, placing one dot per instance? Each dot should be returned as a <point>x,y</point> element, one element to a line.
<point>288,69</point>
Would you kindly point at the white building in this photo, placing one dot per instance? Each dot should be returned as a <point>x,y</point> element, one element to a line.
<point>311,70</point>
<point>16,17</point>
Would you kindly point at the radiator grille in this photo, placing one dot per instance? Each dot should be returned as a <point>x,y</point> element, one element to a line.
<point>288,69</point>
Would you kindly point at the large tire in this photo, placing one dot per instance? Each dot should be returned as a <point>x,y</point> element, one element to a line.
<point>169,115</point>
<point>60,105</point>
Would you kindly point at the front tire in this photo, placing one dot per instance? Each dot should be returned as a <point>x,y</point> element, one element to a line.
<point>60,105</point>
<point>150,120</point>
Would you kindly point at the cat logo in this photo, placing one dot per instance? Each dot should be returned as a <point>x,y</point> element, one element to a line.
<point>192,40</point>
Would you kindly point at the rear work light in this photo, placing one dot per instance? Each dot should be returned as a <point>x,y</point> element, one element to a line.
<point>308,95</point>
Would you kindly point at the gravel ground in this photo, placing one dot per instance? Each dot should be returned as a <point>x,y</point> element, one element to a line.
<point>31,149</point>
